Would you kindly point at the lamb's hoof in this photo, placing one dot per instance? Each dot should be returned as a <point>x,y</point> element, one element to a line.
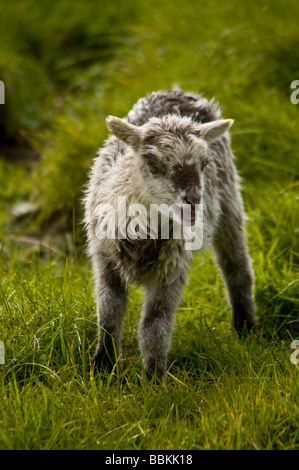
<point>156,375</point>
<point>103,359</point>
<point>244,328</point>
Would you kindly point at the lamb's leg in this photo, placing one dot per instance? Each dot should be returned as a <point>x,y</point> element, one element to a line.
<point>111,295</point>
<point>155,328</point>
<point>235,265</point>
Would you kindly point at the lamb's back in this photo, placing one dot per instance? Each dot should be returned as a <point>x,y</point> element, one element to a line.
<point>173,101</point>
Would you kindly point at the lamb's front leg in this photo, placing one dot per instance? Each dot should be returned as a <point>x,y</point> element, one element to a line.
<point>111,295</point>
<point>155,328</point>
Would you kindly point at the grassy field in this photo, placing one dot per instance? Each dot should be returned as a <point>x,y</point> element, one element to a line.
<point>65,67</point>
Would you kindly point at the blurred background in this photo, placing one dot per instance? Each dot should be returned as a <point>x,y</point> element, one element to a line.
<point>66,65</point>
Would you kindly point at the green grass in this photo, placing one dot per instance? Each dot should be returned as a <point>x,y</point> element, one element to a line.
<point>221,393</point>
<point>66,70</point>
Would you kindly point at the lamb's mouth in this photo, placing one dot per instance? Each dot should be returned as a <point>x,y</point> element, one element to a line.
<point>186,212</point>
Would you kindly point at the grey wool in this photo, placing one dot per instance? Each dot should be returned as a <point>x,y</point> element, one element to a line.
<point>172,148</point>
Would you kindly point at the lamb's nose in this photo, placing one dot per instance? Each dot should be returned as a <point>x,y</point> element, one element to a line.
<point>193,199</point>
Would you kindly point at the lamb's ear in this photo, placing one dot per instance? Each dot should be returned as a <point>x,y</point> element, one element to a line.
<point>123,130</point>
<point>211,130</point>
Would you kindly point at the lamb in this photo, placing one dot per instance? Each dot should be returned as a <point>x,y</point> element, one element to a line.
<point>172,148</point>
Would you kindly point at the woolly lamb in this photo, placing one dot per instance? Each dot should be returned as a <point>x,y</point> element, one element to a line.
<point>173,148</point>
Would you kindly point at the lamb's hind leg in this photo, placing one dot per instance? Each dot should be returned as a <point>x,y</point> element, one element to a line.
<point>111,297</point>
<point>235,264</point>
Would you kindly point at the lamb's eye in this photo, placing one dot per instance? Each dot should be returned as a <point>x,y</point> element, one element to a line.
<point>154,165</point>
<point>155,170</point>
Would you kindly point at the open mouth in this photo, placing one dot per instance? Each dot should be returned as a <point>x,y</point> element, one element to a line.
<point>184,212</point>
<point>188,212</point>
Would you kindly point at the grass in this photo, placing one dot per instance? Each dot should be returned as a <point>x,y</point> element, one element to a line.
<point>221,393</point>
<point>62,79</point>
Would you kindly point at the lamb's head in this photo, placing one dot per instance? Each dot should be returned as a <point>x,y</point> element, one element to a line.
<point>172,153</point>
